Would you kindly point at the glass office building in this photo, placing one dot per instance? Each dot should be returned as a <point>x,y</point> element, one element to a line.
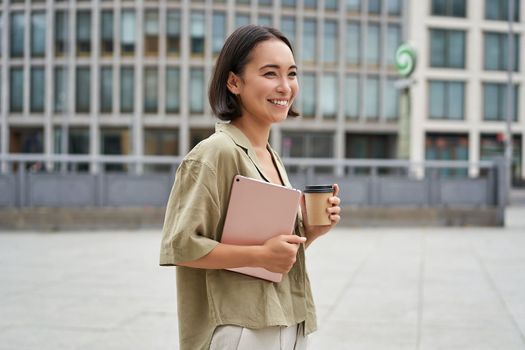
<point>131,77</point>
<point>460,105</point>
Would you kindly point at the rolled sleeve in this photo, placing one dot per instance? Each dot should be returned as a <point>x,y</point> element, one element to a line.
<point>192,215</point>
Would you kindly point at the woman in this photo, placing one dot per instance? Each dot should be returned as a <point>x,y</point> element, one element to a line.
<point>253,87</point>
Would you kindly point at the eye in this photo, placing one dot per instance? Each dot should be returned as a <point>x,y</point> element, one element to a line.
<point>292,74</point>
<point>270,74</point>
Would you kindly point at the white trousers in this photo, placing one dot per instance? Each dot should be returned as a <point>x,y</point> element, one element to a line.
<point>230,337</point>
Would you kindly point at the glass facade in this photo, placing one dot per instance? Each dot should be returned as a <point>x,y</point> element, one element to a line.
<point>495,102</point>
<point>451,8</point>
<point>447,48</point>
<point>496,51</point>
<point>136,70</point>
<point>499,10</point>
<point>447,147</point>
<point>38,34</point>
<point>446,100</point>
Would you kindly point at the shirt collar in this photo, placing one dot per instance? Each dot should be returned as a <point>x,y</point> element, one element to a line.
<point>242,141</point>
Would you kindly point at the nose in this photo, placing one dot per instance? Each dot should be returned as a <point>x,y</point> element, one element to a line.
<point>284,86</point>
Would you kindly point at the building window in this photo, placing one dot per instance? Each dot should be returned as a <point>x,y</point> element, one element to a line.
<point>391,99</point>
<point>298,144</point>
<point>106,90</point>
<point>353,5</point>
<point>497,51</point>
<point>197,91</point>
<point>197,33</point>
<point>330,95</point>
<point>115,141</point>
<point>372,98</point>
<point>197,135</point>
<point>499,10</point>
<point>394,7</point>
<point>242,2</point>
<point>265,3</point>
<point>493,146</point>
<point>61,32</point>
<point>37,90</point>
<point>173,32</point>
<point>370,146</point>
<point>373,44</point>
<point>495,102</point>
<point>38,34</point>
<point>219,31</point>
<point>241,19</point>
<point>26,140</point>
<point>446,100</point>
<point>393,42</point>
<point>330,5</point>
<point>353,43</point>
<point>308,95</point>
<point>309,40</point>
<point>17,34</point>
<point>16,89</point>
<point>288,3</point>
<point>60,90</point>
<point>127,89</point>
<point>447,147</point>
<point>106,33</point>
<point>78,141</point>
<point>161,142</point>
<point>352,96</point>
<point>264,20</point>
<point>374,7</point>
<point>288,28</point>
<point>83,33</point>
<point>330,42</point>
<point>127,33</point>
<point>450,8</point>
<point>151,33</point>
<point>447,48</point>
<point>1,31</point>
<point>172,90</point>
<point>151,95</point>
<point>310,4</point>
<point>83,90</point>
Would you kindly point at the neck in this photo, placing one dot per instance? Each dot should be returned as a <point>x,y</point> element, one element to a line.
<point>257,133</point>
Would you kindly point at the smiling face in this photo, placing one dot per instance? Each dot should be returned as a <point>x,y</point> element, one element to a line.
<point>268,86</point>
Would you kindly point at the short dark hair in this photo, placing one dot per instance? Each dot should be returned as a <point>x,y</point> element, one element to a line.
<point>234,56</point>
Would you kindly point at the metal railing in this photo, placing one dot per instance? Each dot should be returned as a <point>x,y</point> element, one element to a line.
<point>29,180</point>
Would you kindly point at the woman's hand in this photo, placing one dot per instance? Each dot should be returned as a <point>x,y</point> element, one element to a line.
<point>313,232</point>
<point>279,253</point>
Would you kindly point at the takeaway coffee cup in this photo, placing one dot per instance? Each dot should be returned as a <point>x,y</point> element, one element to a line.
<point>316,198</point>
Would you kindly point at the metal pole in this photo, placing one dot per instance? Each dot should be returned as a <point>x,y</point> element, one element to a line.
<point>510,93</point>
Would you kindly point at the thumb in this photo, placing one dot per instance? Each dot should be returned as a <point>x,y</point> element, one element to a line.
<point>303,208</point>
<point>294,239</point>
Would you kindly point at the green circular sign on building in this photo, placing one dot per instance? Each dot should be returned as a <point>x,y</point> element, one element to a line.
<point>406,59</point>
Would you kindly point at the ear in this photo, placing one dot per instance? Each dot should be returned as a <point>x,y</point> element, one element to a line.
<point>233,83</point>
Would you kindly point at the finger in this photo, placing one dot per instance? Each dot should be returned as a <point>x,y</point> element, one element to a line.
<point>336,189</point>
<point>334,210</point>
<point>334,200</point>
<point>335,219</point>
<point>294,239</point>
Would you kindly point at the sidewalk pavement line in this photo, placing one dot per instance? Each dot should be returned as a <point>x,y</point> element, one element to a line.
<point>495,289</point>
<point>347,285</point>
<point>421,288</point>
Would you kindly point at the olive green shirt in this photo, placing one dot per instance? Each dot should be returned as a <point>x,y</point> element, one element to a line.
<point>193,225</point>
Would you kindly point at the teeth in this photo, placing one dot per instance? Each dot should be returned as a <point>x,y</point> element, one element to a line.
<point>279,102</point>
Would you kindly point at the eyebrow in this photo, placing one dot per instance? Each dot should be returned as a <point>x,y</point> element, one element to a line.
<point>293,66</point>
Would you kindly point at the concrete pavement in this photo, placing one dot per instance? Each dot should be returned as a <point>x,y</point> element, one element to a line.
<point>375,289</point>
